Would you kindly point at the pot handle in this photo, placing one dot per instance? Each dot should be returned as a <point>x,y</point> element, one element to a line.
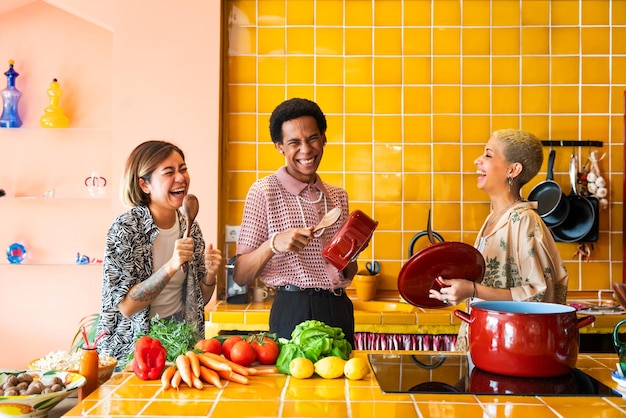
<point>463,316</point>
<point>585,320</point>
<point>352,252</point>
<point>616,341</point>
<point>418,236</point>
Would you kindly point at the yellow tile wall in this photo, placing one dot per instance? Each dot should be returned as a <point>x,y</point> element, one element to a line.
<point>412,90</point>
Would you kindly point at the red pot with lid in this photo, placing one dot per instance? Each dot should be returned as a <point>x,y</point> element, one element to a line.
<point>526,339</point>
<point>353,236</point>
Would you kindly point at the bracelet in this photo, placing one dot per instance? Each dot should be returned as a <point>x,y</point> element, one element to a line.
<point>272,246</point>
<point>209,284</point>
<point>474,295</point>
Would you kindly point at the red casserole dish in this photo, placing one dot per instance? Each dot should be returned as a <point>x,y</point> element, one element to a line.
<point>350,240</point>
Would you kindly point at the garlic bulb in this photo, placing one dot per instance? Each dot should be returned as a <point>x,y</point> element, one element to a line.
<point>604,203</point>
<point>591,177</point>
<point>601,192</point>
<point>591,187</point>
<point>600,182</point>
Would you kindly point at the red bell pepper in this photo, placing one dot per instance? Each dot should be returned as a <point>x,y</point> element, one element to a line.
<point>149,359</point>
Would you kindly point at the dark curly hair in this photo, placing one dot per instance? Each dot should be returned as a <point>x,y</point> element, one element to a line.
<point>292,109</point>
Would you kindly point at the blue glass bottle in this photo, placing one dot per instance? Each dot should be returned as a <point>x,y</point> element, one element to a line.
<point>10,96</point>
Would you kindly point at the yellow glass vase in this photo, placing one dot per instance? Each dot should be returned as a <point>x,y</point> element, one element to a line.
<point>54,116</point>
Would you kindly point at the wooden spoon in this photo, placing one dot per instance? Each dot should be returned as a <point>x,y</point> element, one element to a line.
<point>190,210</point>
<point>330,218</point>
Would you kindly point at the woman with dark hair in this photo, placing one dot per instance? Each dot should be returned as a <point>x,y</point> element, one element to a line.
<point>522,260</point>
<point>276,241</point>
<point>145,250</point>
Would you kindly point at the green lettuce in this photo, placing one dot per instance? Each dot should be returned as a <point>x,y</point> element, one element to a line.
<point>314,340</point>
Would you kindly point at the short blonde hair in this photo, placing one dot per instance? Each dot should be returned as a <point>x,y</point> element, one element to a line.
<point>141,163</point>
<point>524,148</point>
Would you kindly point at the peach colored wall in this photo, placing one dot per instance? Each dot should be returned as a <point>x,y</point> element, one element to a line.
<point>127,77</point>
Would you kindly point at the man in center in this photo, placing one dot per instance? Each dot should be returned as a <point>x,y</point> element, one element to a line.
<point>276,242</point>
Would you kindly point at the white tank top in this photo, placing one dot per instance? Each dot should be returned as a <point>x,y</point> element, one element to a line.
<point>170,300</point>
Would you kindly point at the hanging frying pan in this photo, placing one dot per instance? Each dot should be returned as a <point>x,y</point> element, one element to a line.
<point>582,215</point>
<point>552,204</point>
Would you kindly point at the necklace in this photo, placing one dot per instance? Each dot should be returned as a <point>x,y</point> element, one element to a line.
<point>311,202</point>
<point>493,219</point>
<point>301,199</point>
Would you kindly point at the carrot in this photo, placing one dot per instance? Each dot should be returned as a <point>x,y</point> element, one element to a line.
<point>197,383</point>
<point>213,363</point>
<point>182,362</point>
<point>234,377</point>
<point>166,377</point>
<point>210,376</point>
<point>262,370</point>
<point>193,362</point>
<point>176,379</point>
<point>237,368</point>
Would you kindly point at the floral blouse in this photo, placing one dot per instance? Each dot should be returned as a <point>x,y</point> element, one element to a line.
<point>521,255</point>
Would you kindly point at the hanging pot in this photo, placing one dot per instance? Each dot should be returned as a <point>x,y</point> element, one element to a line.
<point>432,235</point>
<point>526,339</point>
<point>552,204</point>
<point>582,212</point>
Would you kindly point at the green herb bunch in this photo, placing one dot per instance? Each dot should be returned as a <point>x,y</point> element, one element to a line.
<point>176,337</point>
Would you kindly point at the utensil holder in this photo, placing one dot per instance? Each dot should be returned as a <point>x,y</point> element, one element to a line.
<point>366,285</point>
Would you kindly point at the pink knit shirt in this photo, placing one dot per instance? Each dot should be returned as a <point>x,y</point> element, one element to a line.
<point>273,205</point>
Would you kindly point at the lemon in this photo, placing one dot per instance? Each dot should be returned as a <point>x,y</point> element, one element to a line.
<point>330,367</point>
<point>301,368</point>
<point>356,368</point>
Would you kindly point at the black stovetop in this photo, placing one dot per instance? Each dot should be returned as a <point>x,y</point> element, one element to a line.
<point>452,373</point>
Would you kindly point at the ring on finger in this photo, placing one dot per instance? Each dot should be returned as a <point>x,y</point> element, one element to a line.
<point>445,301</point>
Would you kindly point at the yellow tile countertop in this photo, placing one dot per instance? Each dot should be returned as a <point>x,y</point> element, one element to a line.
<point>284,396</point>
<point>377,316</point>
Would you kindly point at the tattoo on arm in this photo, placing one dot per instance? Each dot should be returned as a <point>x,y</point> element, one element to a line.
<point>148,290</point>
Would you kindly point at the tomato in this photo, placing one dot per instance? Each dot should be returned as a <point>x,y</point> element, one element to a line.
<point>266,349</point>
<point>228,344</point>
<point>242,353</point>
<point>211,345</point>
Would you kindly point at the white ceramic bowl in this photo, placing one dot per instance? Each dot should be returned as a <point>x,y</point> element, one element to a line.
<point>37,405</point>
<point>620,380</point>
<point>105,371</point>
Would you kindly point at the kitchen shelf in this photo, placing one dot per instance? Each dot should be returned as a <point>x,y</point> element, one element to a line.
<point>70,198</point>
<point>26,265</point>
<point>571,143</point>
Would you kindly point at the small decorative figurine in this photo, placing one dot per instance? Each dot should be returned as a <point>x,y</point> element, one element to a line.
<point>54,116</point>
<point>11,96</point>
<point>16,253</point>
